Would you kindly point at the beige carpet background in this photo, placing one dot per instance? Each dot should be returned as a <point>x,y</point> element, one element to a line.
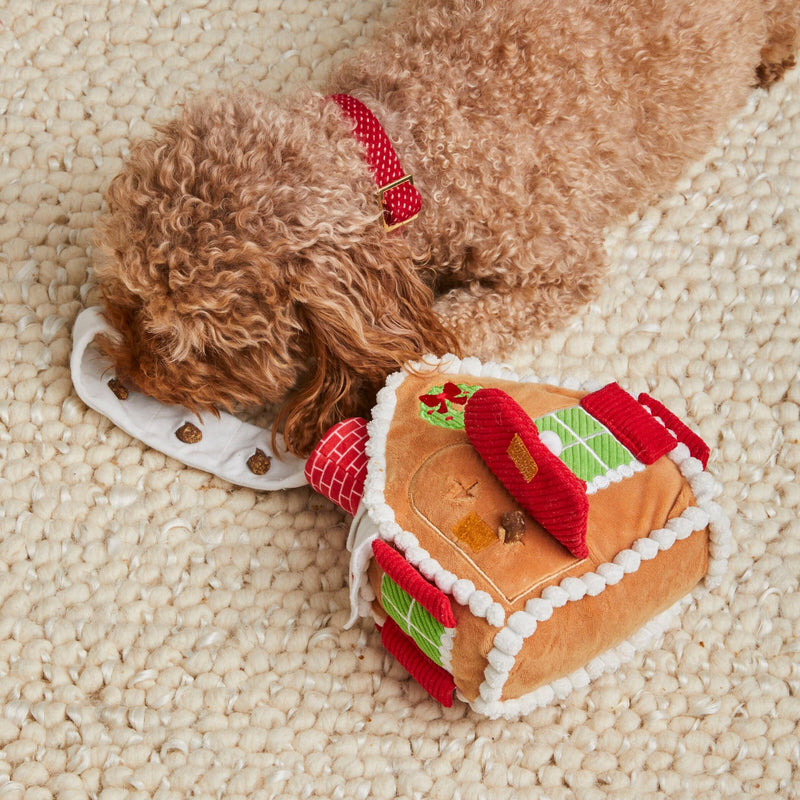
<point>163,634</point>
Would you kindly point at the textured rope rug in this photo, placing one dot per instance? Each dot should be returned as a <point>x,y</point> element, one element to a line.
<point>163,634</point>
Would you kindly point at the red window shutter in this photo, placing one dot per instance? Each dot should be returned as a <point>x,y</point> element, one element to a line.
<point>433,600</point>
<point>507,439</point>
<point>697,447</point>
<point>629,423</point>
<point>437,682</point>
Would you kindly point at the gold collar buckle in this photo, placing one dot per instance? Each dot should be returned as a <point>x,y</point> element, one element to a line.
<point>380,194</point>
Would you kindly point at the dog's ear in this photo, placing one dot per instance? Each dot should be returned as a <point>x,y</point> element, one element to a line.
<point>366,313</point>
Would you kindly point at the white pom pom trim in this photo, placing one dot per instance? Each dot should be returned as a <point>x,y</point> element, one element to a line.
<point>509,640</point>
<point>463,591</point>
<point>694,518</point>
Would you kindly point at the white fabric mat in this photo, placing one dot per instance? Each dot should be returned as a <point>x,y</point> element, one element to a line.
<point>165,634</point>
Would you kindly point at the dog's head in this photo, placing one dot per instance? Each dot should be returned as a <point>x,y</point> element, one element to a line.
<point>244,262</point>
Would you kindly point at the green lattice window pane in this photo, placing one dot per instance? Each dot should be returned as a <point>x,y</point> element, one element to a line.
<point>427,632</point>
<point>579,422</point>
<point>582,461</point>
<point>589,449</point>
<point>609,450</point>
<point>413,619</point>
<point>551,423</point>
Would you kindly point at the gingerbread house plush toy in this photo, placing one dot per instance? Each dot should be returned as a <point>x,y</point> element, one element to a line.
<point>513,540</point>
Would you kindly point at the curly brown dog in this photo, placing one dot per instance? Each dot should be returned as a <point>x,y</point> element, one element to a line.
<point>245,257</point>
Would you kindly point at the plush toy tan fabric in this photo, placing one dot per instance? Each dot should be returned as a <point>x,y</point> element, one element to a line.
<point>472,593</point>
<point>512,539</point>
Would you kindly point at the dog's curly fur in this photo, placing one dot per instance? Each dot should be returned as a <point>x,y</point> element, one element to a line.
<point>244,258</point>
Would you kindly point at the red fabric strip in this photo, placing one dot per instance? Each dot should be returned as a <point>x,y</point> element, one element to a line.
<point>433,600</point>
<point>697,447</point>
<point>403,202</point>
<point>437,682</point>
<point>629,423</point>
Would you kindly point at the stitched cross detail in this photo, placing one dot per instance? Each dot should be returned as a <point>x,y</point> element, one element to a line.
<point>587,447</point>
<point>415,621</point>
<point>430,676</point>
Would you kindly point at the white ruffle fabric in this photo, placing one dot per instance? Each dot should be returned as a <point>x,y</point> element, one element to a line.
<point>226,444</point>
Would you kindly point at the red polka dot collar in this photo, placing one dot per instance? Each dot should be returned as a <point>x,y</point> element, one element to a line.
<point>397,196</point>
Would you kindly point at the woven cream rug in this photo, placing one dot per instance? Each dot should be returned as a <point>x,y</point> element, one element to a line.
<point>163,634</point>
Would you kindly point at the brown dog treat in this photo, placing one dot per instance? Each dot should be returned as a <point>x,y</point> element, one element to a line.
<point>512,527</point>
<point>259,463</point>
<point>188,433</point>
<point>119,390</point>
